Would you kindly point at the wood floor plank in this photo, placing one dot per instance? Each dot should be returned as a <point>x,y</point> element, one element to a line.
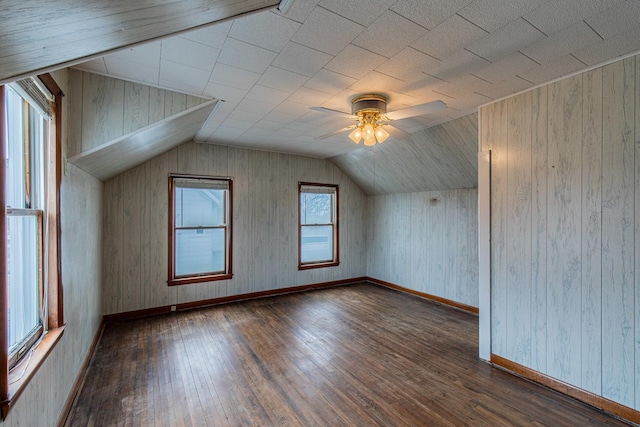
<point>350,355</point>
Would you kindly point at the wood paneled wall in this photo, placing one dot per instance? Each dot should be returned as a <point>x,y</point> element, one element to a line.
<point>565,206</point>
<point>81,218</point>
<point>426,241</point>
<point>104,108</point>
<point>265,215</point>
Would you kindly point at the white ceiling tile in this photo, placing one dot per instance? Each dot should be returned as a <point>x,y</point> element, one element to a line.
<point>236,124</point>
<point>246,56</point>
<point>407,64</point>
<point>562,43</point>
<point>553,16</point>
<point>604,50</point>
<point>461,62</point>
<point>466,102</point>
<point>212,35</point>
<point>267,95</point>
<point>620,18</point>
<point>327,32</point>
<point>301,59</point>
<point>245,116</point>
<point>375,82</point>
<point>507,40</point>
<point>309,96</point>
<point>300,10</point>
<point>502,69</point>
<point>255,106</point>
<point>268,30</point>
<point>147,54</point>
<point>452,35</point>
<point>428,13</point>
<point>132,70</point>
<point>172,76</point>
<point>506,87</point>
<point>188,52</point>
<point>227,93</point>
<point>291,109</point>
<point>277,116</point>
<point>330,82</point>
<point>384,38</point>
<point>493,14</point>
<point>278,78</point>
<point>355,10</point>
<point>234,77</point>
<point>459,86</point>
<point>355,62</point>
<point>423,83</point>
<point>96,66</point>
<point>341,101</point>
<point>552,70</point>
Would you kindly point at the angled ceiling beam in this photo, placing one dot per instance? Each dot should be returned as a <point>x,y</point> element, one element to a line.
<point>40,36</point>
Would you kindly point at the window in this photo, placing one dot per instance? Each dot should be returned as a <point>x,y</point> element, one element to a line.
<point>30,149</point>
<point>200,229</point>
<point>318,226</point>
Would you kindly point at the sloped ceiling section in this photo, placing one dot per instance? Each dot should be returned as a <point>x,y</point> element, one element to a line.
<point>439,158</point>
<point>40,36</point>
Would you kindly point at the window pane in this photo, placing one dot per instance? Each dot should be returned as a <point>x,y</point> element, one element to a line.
<point>316,208</point>
<point>24,299</point>
<point>316,244</point>
<point>200,251</point>
<point>198,207</point>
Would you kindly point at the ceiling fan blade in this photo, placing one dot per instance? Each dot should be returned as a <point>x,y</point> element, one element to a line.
<point>396,133</point>
<point>417,110</point>
<point>330,111</point>
<point>335,132</point>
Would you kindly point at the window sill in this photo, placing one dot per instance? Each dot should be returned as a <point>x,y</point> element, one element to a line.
<point>199,279</point>
<point>21,375</point>
<point>318,265</point>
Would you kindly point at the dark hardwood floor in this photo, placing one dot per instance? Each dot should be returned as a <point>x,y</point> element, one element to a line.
<point>357,355</point>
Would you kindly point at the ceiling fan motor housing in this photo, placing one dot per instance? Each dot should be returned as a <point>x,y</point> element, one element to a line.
<point>368,104</point>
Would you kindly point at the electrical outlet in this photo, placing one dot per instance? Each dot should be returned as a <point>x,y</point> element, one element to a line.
<point>173,308</point>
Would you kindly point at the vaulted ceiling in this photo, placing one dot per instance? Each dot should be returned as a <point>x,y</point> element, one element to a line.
<point>271,67</point>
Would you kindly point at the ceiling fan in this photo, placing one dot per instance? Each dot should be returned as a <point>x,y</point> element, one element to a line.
<point>373,119</point>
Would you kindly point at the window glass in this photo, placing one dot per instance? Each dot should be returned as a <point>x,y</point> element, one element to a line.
<point>201,233</point>
<point>318,228</point>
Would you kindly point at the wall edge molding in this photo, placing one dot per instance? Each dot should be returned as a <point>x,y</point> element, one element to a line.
<point>614,408</point>
<point>430,297</point>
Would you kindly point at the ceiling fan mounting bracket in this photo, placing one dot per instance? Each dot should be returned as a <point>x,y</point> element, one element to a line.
<point>370,103</point>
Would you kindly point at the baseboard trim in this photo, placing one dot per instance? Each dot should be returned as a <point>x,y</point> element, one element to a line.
<point>77,385</point>
<point>128,315</point>
<point>435,298</point>
<point>587,397</point>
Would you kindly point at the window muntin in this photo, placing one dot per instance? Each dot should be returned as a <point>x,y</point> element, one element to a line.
<point>26,141</point>
<point>200,235</point>
<point>318,225</point>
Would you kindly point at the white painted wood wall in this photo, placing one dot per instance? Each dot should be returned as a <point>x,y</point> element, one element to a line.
<point>426,241</point>
<point>81,217</point>
<point>566,229</point>
<point>265,215</point>
<point>103,108</point>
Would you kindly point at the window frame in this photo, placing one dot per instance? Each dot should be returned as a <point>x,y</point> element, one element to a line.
<point>174,279</point>
<point>335,225</point>
<point>12,384</point>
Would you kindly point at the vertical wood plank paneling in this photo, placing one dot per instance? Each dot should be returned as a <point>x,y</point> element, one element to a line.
<point>637,231</point>
<point>132,239</point>
<point>495,134</point>
<point>418,241</point>
<point>564,224</point>
<point>591,232</point>
<point>74,116</point>
<point>238,169</point>
<point>174,103</point>
<point>617,232</point>
<point>518,205</point>
<point>136,107</point>
<point>539,170</point>
<point>156,104</point>
<point>102,110</point>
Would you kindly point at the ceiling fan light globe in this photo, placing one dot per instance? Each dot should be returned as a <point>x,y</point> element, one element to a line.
<point>381,134</point>
<point>369,140</point>
<point>368,131</point>
<point>356,135</point>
